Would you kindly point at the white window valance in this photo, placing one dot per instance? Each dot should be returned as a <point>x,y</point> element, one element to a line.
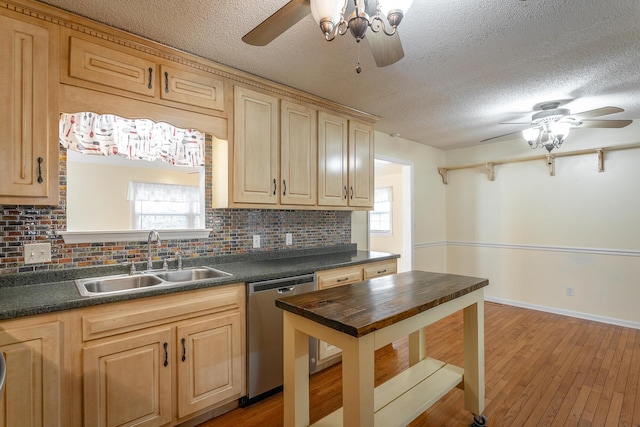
<point>140,139</point>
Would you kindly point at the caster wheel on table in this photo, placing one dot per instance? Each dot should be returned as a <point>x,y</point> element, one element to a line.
<point>479,421</point>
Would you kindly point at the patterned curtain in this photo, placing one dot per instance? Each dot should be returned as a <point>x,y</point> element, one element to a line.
<point>140,139</point>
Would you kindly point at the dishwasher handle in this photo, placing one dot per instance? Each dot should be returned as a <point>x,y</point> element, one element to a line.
<point>286,289</point>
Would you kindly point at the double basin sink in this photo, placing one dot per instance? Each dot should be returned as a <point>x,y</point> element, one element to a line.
<point>136,282</point>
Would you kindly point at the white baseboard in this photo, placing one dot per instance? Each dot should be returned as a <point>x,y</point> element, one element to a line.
<point>577,314</point>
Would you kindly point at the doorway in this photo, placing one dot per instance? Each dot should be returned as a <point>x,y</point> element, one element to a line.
<point>390,224</point>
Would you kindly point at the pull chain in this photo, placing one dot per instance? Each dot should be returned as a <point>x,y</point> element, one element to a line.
<point>358,69</point>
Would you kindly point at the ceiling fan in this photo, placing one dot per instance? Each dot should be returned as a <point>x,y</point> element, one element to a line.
<point>385,47</point>
<point>550,125</point>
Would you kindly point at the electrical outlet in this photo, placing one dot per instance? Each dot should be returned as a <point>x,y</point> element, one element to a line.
<point>289,239</point>
<point>37,253</point>
<point>256,241</point>
<point>570,291</point>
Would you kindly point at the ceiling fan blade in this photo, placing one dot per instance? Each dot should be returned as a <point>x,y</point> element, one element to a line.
<point>605,123</point>
<point>287,16</point>
<point>386,49</point>
<point>501,136</point>
<point>597,112</point>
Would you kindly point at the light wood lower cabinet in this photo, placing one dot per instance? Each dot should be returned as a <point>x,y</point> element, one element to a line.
<point>161,360</point>
<point>328,353</point>
<point>33,390</point>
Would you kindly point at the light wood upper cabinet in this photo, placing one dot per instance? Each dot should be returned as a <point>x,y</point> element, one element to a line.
<point>107,66</point>
<point>104,66</point>
<point>28,111</point>
<point>298,154</point>
<point>191,87</point>
<point>361,161</point>
<point>33,389</point>
<point>332,159</point>
<point>255,147</point>
<point>345,168</point>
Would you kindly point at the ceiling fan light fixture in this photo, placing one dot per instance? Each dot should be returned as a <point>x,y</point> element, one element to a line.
<point>531,135</point>
<point>358,24</point>
<point>394,10</point>
<point>327,13</point>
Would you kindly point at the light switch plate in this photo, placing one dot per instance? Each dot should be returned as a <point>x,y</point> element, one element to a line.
<point>37,253</point>
<point>256,241</point>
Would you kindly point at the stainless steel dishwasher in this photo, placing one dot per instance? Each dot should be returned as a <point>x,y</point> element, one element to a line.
<point>264,334</point>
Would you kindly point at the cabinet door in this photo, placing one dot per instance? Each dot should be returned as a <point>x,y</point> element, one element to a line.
<point>255,147</point>
<point>192,88</point>
<point>210,364</point>
<point>113,68</point>
<point>298,154</point>
<point>332,160</point>
<point>361,163</point>
<point>32,394</point>
<point>127,381</point>
<point>28,164</point>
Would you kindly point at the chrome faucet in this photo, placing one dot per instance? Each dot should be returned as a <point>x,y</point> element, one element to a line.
<point>154,237</point>
<point>179,257</point>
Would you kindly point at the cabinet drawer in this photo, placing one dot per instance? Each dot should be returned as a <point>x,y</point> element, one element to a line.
<point>134,315</point>
<point>338,277</point>
<point>109,67</point>
<point>380,269</point>
<point>191,88</point>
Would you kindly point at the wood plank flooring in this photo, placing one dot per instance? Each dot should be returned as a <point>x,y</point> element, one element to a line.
<point>541,369</point>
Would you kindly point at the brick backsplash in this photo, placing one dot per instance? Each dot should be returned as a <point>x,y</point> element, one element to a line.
<point>233,231</point>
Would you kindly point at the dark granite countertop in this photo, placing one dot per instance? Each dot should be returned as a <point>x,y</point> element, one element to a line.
<point>26,294</point>
<point>364,307</point>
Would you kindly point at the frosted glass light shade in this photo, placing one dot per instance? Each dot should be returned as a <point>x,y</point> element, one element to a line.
<point>560,130</point>
<point>387,5</point>
<point>531,134</point>
<point>326,9</point>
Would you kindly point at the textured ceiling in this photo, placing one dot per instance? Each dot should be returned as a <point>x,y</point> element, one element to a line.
<point>468,65</point>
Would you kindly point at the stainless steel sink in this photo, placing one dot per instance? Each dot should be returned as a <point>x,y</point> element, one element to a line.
<point>131,283</point>
<point>191,274</point>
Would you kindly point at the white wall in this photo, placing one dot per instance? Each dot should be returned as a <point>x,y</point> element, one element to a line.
<point>429,233</point>
<point>534,235</point>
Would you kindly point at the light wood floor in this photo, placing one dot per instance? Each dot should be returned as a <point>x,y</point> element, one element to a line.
<point>541,370</point>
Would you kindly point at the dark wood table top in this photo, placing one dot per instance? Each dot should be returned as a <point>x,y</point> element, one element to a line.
<point>364,307</point>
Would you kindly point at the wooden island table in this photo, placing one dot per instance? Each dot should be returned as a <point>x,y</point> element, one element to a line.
<point>360,318</point>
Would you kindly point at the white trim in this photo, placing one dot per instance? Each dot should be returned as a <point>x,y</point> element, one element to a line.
<point>130,235</point>
<point>570,313</point>
<point>572,249</point>
<point>430,244</point>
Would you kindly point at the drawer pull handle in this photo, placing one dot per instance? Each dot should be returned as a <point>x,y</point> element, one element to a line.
<point>284,187</point>
<point>150,85</point>
<point>352,192</point>
<point>342,280</point>
<point>40,160</point>
<point>184,349</point>
<point>382,271</point>
<point>166,82</point>
<point>166,354</point>
<point>275,184</point>
<point>345,192</point>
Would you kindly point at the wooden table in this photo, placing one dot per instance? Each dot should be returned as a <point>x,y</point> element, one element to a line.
<point>362,317</point>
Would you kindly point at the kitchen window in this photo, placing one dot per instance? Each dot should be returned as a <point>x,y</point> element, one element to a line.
<point>164,206</point>
<point>381,215</point>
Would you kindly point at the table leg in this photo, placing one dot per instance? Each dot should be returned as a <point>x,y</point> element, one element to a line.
<point>296,374</point>
<point>417,346</point>
<point>358,381</point>
<point>474,357</point>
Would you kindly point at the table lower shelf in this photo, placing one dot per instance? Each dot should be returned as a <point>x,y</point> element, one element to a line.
<point>407,395</point>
